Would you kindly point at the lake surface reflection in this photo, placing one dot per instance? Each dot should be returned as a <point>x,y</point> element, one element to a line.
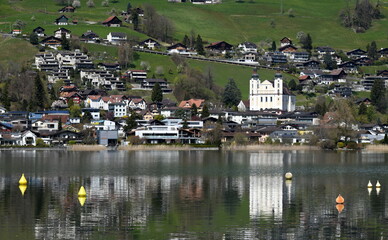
<point>193,195</point>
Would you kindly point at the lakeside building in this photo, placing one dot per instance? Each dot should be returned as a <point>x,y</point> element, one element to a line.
<point>270,94</point>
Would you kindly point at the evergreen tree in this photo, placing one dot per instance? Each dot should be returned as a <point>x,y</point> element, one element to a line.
<point>194,110</point>
<point>199,46</point>
<point>232,94</point>
<point>135,20</point>
<point>377,95</point>
<point>157,93</point>
<point>205,111</point>
<point>372,50</point>
<point>65,43</point>
<point>39,93</point>
<point>330,64</point>
<point>273,46</point>
<point>131,121</point>
<point>186,41</point>
<point>129,7</point>
<point>292,85</point>
<point>362,109</point>
<point>34,40</point>
<point>307,43</point>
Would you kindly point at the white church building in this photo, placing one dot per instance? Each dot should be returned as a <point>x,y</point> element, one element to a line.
<point>270,94</point>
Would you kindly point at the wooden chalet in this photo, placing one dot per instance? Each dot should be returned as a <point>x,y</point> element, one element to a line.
<point>62,20</point>
<point>356,53</point>
<point>220,46</point>
<point>39,31</point>
<point>112,21</point>
<point>285,41</point>
<point>51,42</point>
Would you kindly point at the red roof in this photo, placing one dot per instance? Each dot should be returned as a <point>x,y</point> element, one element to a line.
<point>109,19</point>
<point>190,102</point>
<point>94,97</point>
<point>304,77</point>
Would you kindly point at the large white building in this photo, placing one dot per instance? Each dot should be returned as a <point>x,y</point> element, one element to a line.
<point>270,94</point>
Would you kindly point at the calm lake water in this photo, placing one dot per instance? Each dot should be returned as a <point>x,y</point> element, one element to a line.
<point>193,195</point>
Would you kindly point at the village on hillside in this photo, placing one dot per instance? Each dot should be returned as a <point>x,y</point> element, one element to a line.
<point>92,106</point>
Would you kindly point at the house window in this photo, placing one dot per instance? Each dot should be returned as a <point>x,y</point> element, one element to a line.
<point>271,99</point>
<point>261,99</point>
<point>266,99</point>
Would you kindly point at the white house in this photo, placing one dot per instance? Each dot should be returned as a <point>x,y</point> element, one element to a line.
<point>45,125</point>
<point>62,31</point>
<point>118,109</point>
<point>270,94</point>
<point>116,37</point>
<point>158,133</point>
<point>247,47</point>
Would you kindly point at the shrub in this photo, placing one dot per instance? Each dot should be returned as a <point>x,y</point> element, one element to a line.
<point>352,145</point>
<point>341,145</point>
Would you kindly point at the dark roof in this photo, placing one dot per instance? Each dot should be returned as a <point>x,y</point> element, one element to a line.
<point>287,46</point>
<point>51,38</point>
<point>89,34</point>
<point>177,45</point>
<point>63,16</point>
<point>325,49</point>
<point>249,45</point>
<point>118,34</point>
<point>286,40</point>
<point>62,30</point>
<point>356,51</point>
<point>220,45</point>
<point>38,29</point>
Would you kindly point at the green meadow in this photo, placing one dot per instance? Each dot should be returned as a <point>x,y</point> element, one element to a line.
<point>249,20</point>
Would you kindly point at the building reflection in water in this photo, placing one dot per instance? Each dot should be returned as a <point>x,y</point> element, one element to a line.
<point>266,189</point>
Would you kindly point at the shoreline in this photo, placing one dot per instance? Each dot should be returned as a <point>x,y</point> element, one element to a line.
<point>368,148</point>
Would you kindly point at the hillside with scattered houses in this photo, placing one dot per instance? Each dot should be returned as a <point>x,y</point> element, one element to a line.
<point>113,73</point>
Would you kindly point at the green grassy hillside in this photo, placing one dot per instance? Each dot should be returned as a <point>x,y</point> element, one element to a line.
<point>221,72</point>
<point>231,21</point>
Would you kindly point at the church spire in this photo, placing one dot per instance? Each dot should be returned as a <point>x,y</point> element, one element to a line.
<point>255,75</point>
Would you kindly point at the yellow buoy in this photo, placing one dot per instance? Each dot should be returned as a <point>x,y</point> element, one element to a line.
<point>82,192</point>
<point>82,200</point>
<point>288,176</point>
<point>378,190</point>
<point>23,188</point>
<point>339,199</point>
<point>378,185</point>
<point>370,184</point>
<point>23,180</point>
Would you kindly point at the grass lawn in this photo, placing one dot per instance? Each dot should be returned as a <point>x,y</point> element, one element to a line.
<point>17,51</point>
<point>256,20</point>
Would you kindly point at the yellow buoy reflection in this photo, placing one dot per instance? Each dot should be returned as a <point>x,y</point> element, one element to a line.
<point>23,180</point>
<point>23,188</point>
<point>378,191</point>
<point>340,207</point>
<point>82,200</point>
